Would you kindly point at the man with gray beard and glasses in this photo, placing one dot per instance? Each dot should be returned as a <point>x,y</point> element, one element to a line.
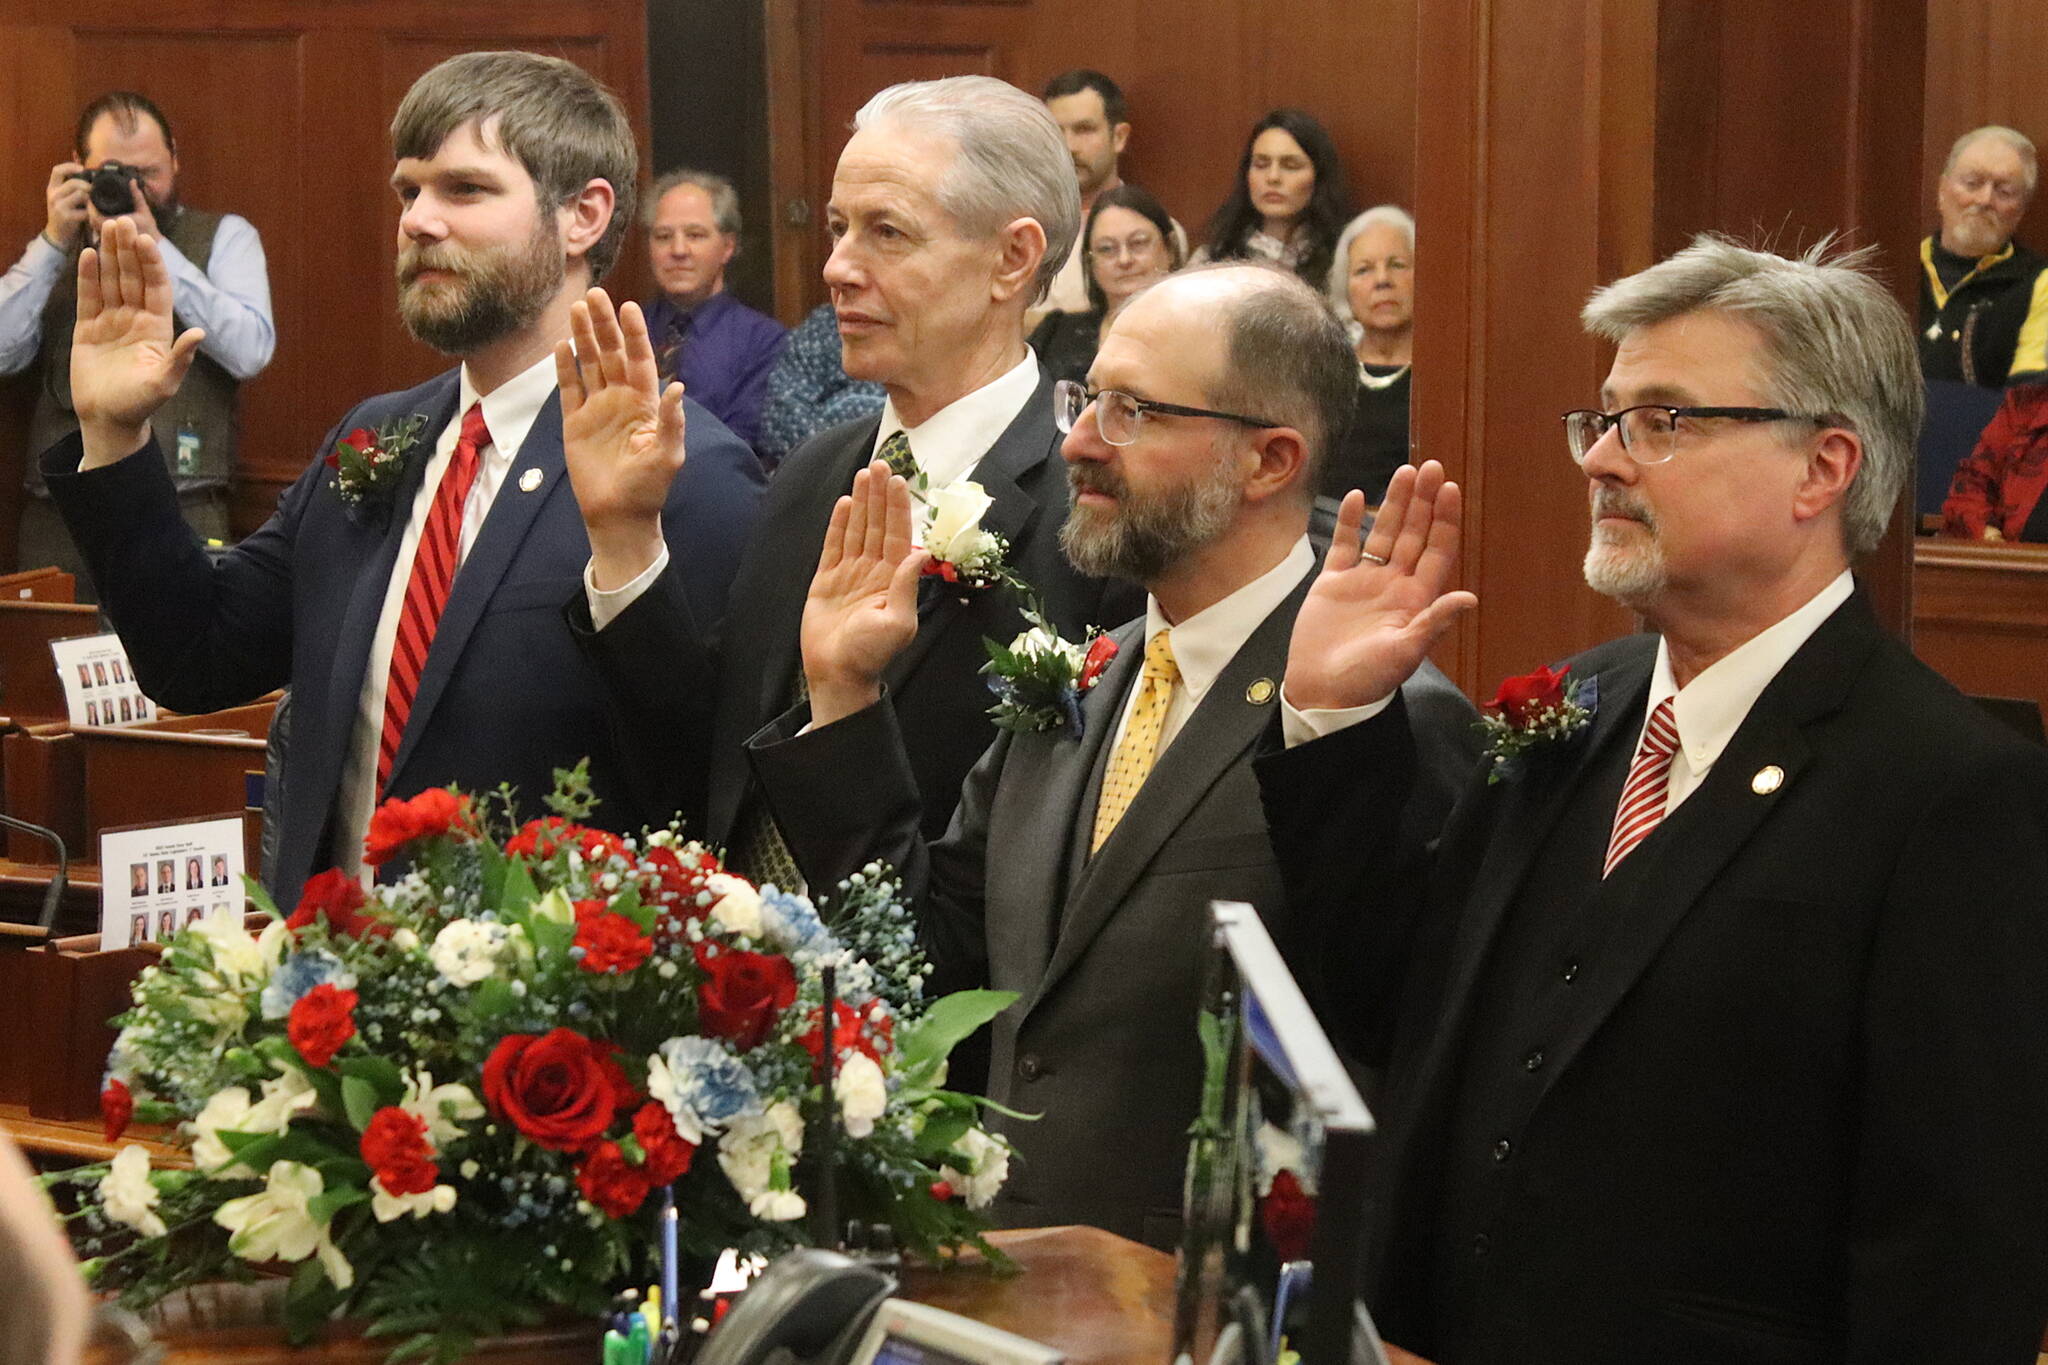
<point>1715,1033</point>
<point>1080,863</point>
<point>410,587</point>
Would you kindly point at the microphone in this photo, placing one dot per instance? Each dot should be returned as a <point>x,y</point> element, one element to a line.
<point>56,889</point>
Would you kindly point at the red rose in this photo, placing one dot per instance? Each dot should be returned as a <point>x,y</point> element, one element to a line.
<point>397,823</point>
<point>870,1031</point>
<point>668,1155</point>
<point>339,898</point>
<point>559,1089</point>
<point>362,438</point>
<point>609,1181</point>
<point>395,1147</point>
<point>742,993</point>
<point>117,1106</point>
<point>1288,1216</point>
<point>941,568</point>
<point>942,1190</point>
<point>610,942</point>
<point>1100,651</point>
<point>1521,700</point>
<point>322,1020</point>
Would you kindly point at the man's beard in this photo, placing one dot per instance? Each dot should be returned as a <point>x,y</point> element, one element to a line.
<point>495,292</point>
<point>1628,567</point>
<point>1144,533</point>
<point>1979,234</point>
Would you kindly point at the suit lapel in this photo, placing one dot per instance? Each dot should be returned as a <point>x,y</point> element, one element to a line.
<point>505,527</point>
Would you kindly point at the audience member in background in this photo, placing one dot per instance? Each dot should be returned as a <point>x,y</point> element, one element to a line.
<point>1983,296</point>
<point>1996,493</point>
<point>809,391</point>
<point>1090,110</point>
<point>1372,290</point>
<point>218,282</point>
<point>1129,244</point>
<point>1289,202</point>
<point>721,349</point>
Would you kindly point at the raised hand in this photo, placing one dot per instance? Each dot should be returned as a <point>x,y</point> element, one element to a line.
<point>125,363</point>
<point>862,607</point>
<point>622,435</point>
<point>1375,610</point>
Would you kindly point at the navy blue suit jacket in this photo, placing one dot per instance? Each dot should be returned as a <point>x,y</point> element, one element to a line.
<point>506,696</point>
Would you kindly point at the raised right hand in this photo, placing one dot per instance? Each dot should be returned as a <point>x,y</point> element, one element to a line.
<point>622,435</point>
<point>124,362</point>
<point>862,608</point>
<point>65,204</point>
<point>1376,609</point>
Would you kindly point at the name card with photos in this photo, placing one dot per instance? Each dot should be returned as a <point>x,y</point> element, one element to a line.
<point>157,879</point>
<point>99,688</point>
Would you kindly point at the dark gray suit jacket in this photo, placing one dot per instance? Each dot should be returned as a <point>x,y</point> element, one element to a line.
<point>1106,952</point>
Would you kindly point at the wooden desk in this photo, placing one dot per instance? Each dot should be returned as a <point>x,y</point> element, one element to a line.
<point>28,678</point>
<point>1980,616</point>
<point>78,1142</point>
<point>48,584</point>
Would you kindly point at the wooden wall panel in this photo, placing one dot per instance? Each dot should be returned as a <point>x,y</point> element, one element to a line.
<point>1984,65</point>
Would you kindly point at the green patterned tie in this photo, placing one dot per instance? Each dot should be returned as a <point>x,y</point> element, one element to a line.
<point>895,453</point>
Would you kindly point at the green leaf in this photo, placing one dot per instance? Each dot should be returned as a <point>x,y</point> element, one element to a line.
<point>323,1207</point>
<point>942,1132</point>
<point>931,1039</point>
<point>359,1098</point>
<point>381,1073</point>
<point>492,998</point>
<point>260,897</point>
<point>517,893</point>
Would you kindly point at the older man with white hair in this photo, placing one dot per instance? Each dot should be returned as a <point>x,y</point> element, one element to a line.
<point>952,208</point>
<point>1983,296</point>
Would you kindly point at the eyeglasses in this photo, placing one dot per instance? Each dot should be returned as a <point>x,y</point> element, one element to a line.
<point>1649,431</point>
<point>1109,250</point>
<point>1117,414</point>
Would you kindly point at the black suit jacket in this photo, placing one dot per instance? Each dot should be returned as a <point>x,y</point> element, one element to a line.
<point>505,696</point>
<point>662,659</point>
<point>1795,1114</point>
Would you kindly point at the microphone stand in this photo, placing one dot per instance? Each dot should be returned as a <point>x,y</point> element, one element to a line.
<point>55,893</point>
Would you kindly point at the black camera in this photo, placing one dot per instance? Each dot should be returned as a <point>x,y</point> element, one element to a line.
<point>114,187</point>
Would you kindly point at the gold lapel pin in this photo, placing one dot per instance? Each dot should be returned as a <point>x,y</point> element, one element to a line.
<point>1767,780</point>
<point>529,481</point>
<point>1260,691</point>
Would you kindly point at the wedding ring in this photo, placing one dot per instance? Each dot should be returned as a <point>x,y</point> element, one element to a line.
<point>1373,557</point>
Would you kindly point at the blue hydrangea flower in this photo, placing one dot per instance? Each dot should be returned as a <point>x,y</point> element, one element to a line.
<point>792,924</point>
<point>300,973</point>
<point>702,1084</point>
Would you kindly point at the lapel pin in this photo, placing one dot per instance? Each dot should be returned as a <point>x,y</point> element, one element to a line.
<point>1260,692</point>
<point>1767,780</point>
<point>529,481</point>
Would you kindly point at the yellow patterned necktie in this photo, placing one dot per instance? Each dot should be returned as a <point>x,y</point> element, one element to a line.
<point>1138,747</point>
<point>895,453</point>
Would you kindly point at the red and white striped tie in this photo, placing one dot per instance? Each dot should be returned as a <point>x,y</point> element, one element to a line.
<point>1642,798</point>
<point>434,563</point>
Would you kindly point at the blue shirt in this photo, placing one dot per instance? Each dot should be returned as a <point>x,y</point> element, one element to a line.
<point>722,352</point>
<point>808,390</point>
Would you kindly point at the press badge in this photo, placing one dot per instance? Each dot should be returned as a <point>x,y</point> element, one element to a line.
<point>188,451</point>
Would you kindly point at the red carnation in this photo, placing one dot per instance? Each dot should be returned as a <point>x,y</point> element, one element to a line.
<point>117,1107</point>
<point>671,882</point>
<point>869,1031</point>
<point>338,898</point>
<point>1100,651</point>
<point>1288,1215</point>
<point>397,823</point>
<point>323,1019</point>
<point>941,568</point>
<point>560,1089</point>
<point>395,1147</point>
<point>742,993</point>
<point>668,1155</point>
<point>942,1190</point>
<point>1521,701</point>
<point>609,1181</point>
<point>610,942</point>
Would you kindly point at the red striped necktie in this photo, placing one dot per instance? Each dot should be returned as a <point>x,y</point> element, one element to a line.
<point>1643,796</point>
<point>434,563</point>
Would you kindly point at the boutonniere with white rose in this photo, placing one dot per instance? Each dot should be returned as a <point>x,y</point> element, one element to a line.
<point>1039,678</point>
<point>962,550</point>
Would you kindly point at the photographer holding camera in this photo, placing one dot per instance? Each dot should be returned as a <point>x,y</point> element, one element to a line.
<point>127,164</point>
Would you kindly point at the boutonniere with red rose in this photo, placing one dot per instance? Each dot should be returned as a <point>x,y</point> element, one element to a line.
<point>1039,678</point>
<point>369,462</point>
<point>1532,712</point>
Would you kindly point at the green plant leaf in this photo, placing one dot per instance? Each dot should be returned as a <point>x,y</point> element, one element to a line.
<point>931,1039</point>
<point>359,1098</point>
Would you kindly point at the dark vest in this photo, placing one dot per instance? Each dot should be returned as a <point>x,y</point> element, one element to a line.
<point>204,405</point>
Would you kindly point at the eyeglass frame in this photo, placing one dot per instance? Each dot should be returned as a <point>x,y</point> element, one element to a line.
<point>1612,421</point>
<point>1111,249</point>
<point>1089,397</point>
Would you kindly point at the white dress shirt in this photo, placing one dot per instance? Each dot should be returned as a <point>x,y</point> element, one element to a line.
<point>509,413</point>
<point>947,446</point>
<point>1205,643</point>
<point>230,299</point>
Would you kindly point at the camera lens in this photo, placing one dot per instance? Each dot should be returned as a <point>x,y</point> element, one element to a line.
<point>113,190</point>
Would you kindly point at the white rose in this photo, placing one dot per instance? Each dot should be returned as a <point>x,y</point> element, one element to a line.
<point>278,1225</point>
<point>862,1092</point>
<point>466,950</point>
<point>955,522</point>
<point>127,1194</point>
<point>988,1165</point>
<point>738,907</point>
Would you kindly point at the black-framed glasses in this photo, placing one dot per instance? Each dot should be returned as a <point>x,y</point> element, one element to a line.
<point>1117,415</point>
<point>1649,431</point>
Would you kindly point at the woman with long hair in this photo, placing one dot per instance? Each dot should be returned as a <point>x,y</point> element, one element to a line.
<point>1129,242</point>
<point>1289,201</point>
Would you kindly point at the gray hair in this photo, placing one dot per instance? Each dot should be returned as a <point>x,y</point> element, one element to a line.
<point>1286,359</point>
<point>725,201</point>
<point>1011,160</point>
<point>2030,162</point>
<point>1836,345</point>
<point>554,119</point>
<point>1379,215</point>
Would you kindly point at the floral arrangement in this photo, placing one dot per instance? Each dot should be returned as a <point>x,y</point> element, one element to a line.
<point>1535,711</point>
<point>1039,678</point>
<point>369,462</point>
<point>451,1101</point>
